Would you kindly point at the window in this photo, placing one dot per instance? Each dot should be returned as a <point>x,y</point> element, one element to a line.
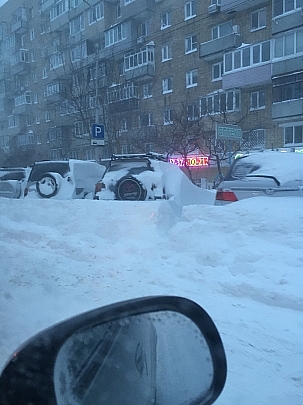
<point>143,29</point>
<point>32,35</point>
<point>118,11</point>
<point>165,20</point>
<point>284,6</point>
<point>147,89</point>
<point>38,118</point>
<point>96,13</point>
<point>44,73</point>
<point>289,44</point>
<point>288,88</point>
<point>192,112</point>
<point>36,100</point>
<point>191,78</point>
<point>56,60</point>
<point>79,128</point>
<point>28,119</point>
<point>191,44</point>
<point>254,139</point>
<point>52,88</point>
<point>76,25</point>
<point>167,85</point>
<point>47,116</point>
<point>143,57</point>
<point>23,40</point>
<point>168,117</point>
<point>115,34</point>
<point>220,102</point>
<point>76,3</point>
<point>59,8</point>
<point>217,71</point>
<point>222,30</point>
<point>247,56</point>
<point>258,19</point>
<point>79,52</point>
<point>12,122</point>
<point>190,9</point>
<point>293,134</point>
<point>257,100</point>
<point>146,120</point>
<point>166,52</point>
<point>24,98</point>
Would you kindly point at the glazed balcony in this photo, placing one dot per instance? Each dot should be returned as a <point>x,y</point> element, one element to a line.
<point>228,6</point>
<point>216,47</point>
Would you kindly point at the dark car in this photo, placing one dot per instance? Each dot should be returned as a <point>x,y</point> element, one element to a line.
<point>64,179</point>
<point>272,174</point>
<point>132,177</point>
<point>13,182</point>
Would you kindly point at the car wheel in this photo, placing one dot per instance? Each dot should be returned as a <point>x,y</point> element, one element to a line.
<point>47,186</point>
<point>130,189</point>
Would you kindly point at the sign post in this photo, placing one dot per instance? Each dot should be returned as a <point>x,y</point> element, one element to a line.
<point>97,135</point>
<point>228,132</point>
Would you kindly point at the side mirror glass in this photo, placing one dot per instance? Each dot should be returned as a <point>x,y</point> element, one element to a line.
<point>165,355</point>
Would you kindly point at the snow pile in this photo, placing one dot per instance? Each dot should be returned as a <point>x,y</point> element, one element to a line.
<point>242,263</point>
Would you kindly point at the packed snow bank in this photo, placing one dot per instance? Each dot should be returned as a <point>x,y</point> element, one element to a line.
<point>60,258</point>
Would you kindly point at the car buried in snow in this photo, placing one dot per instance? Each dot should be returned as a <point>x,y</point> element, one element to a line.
<point>148,177</point>
<point>269,173</point>
<point>64,179</point>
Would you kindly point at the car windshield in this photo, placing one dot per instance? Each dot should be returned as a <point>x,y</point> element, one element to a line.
<point>214,88</point>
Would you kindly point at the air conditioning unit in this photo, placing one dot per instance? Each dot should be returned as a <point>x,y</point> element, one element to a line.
<point>236,29</point>
<point>213,8</point>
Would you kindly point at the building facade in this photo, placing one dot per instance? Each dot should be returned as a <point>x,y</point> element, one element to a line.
<point>148,70</point>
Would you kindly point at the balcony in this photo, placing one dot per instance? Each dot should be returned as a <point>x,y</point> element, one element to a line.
<point>254,75</point>
<point>22,109</point>
<point>215,48</point>
<point>228,6</point>
<point>61,23</point>
<point>20,68</point>
<point>141,9</point>
<point>287,109</point>
<point>142,72</point>
<point>287,22</point>
<point>19,27</point>
<point>123,97</point>
<point>286,66</point>
<point>140,64</point>
<point>46,5</point>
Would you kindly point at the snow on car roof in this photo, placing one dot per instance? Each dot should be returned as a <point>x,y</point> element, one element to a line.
<point>285,166</point>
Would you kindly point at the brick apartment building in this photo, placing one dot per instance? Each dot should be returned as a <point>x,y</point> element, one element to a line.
<point>140,66</point>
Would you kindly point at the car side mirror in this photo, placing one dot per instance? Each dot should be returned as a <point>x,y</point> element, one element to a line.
<point>155,350</point>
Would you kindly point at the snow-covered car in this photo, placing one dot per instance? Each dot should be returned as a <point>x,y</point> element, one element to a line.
<point>13,182</point>
<point>64,179</point>
<point>272,174</point>
<point>144,177</point>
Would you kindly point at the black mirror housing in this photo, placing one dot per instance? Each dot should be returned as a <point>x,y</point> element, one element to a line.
<point>159,350</point>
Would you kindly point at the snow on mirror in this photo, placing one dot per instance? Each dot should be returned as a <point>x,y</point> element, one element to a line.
<point>151,359</point>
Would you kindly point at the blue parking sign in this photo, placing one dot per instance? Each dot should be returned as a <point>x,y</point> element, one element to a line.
<point>97,132</point>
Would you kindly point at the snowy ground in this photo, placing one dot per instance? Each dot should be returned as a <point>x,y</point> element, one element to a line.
<point>243,263</point>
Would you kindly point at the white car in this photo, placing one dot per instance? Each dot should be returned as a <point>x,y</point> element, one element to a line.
<point>13,182</point>
<point>271,174</point>
<point>147,177</point>
<point>64,179</point>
